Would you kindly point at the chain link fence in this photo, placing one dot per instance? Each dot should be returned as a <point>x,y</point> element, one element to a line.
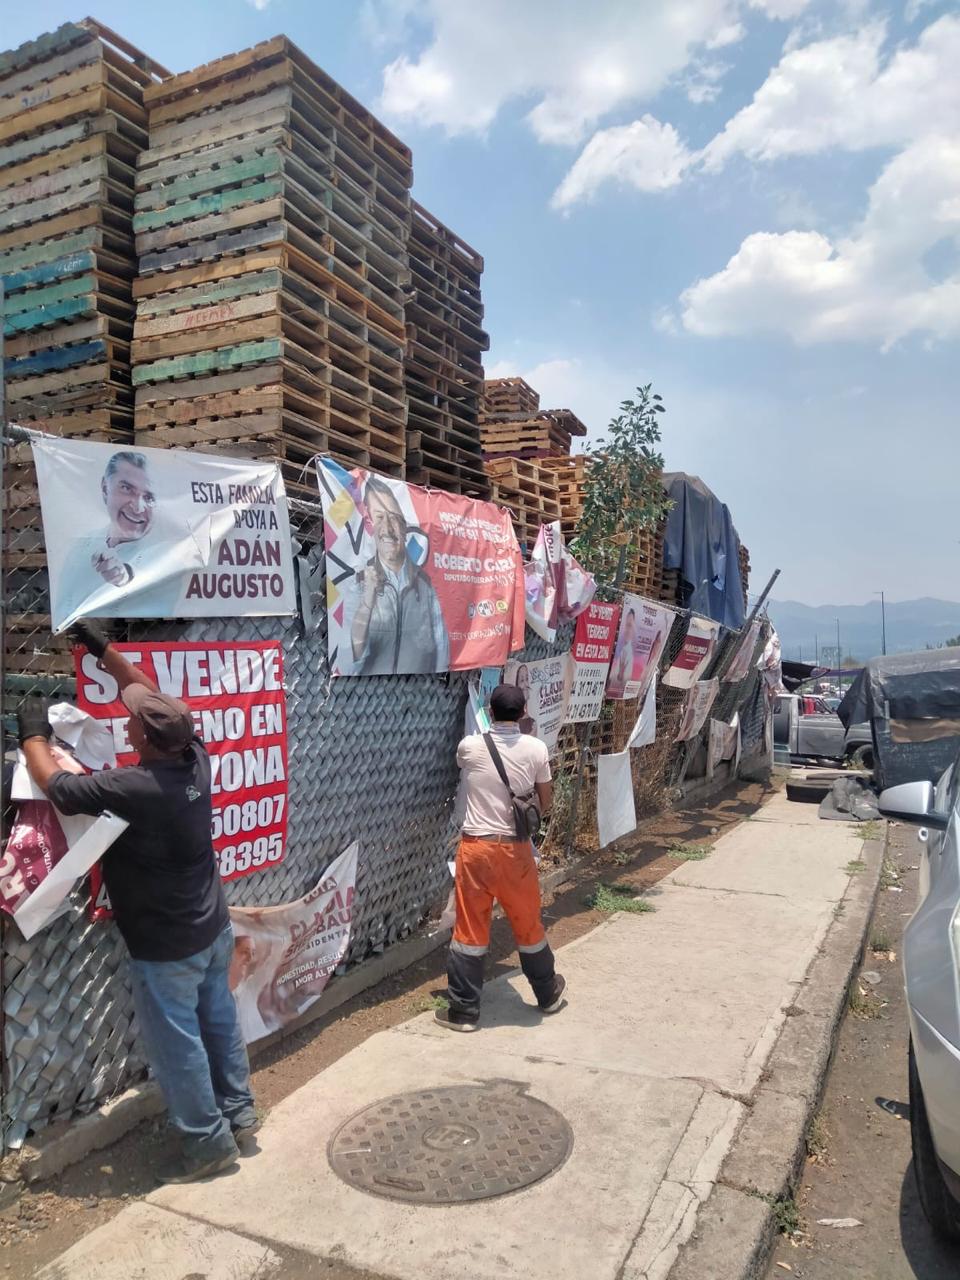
<point>369,759</point>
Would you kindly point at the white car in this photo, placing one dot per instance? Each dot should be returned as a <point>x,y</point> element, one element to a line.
<point>931,968</point>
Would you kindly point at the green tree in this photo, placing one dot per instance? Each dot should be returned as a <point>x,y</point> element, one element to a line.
<point>623,492</point>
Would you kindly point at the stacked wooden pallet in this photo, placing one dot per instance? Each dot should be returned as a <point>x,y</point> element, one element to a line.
<point>72,123</point>
<point>508,395</point>
<point>530,492</point>
<point>546,433</point>
<point>570,474</point>
<point>444,373</point>
<point>273,216</point>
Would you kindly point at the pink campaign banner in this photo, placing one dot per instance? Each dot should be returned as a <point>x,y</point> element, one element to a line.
<point>644,629</point>
<point>417,580</point>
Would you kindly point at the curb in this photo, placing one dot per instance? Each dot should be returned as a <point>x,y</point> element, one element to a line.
<point>735,1226</point>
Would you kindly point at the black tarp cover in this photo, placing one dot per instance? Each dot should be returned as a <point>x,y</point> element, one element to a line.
<point>702,543</point>
<point>912,701</point>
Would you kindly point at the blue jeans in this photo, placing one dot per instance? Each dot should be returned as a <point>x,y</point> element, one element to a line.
<point>189,1025</point>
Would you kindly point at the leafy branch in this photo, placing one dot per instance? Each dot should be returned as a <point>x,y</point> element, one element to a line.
<point>623,493</point>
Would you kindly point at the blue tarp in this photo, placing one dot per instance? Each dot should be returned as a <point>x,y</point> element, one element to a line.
<point>702,543</point>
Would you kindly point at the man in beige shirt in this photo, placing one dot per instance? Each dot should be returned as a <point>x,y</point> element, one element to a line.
<point>495,865</point>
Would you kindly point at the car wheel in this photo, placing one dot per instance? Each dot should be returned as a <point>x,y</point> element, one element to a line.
<point>942,1211</point>
<point>862,757</point>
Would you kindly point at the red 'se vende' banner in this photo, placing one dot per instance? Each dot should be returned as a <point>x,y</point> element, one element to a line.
<point>235,691</point>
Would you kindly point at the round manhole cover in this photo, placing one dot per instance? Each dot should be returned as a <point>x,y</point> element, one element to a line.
<point>445,1146</point>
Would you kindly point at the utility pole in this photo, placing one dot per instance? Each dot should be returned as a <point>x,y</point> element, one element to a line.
<point>839,660</point>
<point>816,649</point>
<point>883,622</point>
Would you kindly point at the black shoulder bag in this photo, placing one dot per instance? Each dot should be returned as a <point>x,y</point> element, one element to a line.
<point>526,808</point>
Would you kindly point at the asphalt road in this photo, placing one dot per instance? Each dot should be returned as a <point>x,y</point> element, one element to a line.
<point>863,1167</point>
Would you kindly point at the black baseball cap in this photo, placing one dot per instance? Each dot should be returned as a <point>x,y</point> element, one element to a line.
<point>167,722</point>
<point>507,702</point>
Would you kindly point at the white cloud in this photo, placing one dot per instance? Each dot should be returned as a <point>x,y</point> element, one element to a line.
<point>702,83</point>
<point>870,286</point>
<point>730,34</point>
<point>646,155</point>
<point>913,8</point>
<point>780,9</point>
<point>576,62</point>
<point>838,93</point>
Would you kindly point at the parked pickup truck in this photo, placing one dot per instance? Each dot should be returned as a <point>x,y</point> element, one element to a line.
<point>805,727</point>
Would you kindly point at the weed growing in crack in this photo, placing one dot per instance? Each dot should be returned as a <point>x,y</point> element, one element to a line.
<point>864,1006</point>
<point>688,852</point>
<point>786,1215</point>
<point>817,1138</point>
<point>855,866</point>
<point>426,1004</point>
<point>618,897</point>
<point>880,942</point>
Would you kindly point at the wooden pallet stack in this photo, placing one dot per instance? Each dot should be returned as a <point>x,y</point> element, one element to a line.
<point>443,366</point>
<point>570,474</point>
<point>508,395</point>
<point>546,433</point>
<point>72,123</point>
<point>529,491</point>
<point>272,225</point>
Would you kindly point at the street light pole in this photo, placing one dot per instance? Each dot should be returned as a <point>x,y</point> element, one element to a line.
<point>839,660</point>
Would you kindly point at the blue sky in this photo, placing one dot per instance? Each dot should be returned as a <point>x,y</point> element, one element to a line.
<point>754,204</point>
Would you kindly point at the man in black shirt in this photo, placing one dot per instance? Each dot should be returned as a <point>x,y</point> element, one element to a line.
<point>168,902</point>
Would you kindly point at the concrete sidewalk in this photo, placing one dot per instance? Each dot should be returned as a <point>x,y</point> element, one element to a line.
<point>656,1062</point>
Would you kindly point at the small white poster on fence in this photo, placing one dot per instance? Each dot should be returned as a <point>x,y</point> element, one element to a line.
<point>695,653</point>
<point>644,732</point>
<point>616,813</point>
<point>739,668</point>
<point>283,956</point>
<point>162,533</point>
<point>723,743</point>
<point>697,707</point>
<point>643,633</point>
<point>546,684</point>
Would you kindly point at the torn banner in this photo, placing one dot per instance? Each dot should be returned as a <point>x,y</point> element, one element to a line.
<point>283,956</point>
<point>557,588</point>
<point>695,653</point>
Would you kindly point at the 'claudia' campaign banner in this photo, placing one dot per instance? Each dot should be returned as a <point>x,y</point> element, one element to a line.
<point>696,651</point>
<point>235,691</point>
<point>643,633</point>
<point>593,644</point>
<point>283,956</point>
<point>161,533</point>
<point>417,580</point>
<point>547,686</point>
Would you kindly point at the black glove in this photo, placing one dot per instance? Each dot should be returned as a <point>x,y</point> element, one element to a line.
<point>32,719</point>
<point>90,636</point>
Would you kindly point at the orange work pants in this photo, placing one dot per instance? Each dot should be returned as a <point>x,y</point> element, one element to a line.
<point>489,872</point>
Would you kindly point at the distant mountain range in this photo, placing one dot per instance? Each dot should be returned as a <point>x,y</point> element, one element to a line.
<point>911,625</point>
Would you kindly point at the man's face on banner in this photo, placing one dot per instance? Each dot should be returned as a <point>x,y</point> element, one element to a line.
<point>389,527</point>
<point>130,501</point>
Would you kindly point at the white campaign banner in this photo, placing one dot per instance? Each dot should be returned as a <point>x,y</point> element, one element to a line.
<point>616,812</point>
<point>644,732</point>
<point>723,743</point>
<point>283,956</point>
<point>547,687</point>
<point>697,707</point>
<point>162,533</point>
